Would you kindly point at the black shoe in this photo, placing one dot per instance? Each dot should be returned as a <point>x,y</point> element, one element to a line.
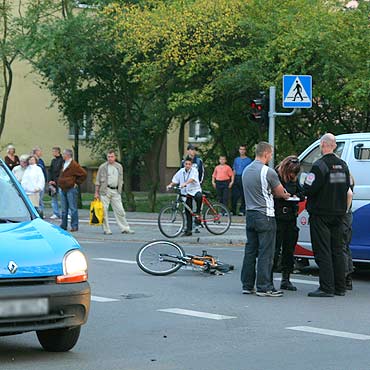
<point>197,220</point>
<point>340,293</point>
<point>187,233</point>
<point>349,282</point>
<point>287,285</point>
<point>319,293</point>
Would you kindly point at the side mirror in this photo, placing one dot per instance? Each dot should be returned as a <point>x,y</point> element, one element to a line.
<point>302,178</point>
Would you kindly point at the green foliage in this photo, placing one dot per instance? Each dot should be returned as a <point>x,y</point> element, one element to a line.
<point>136,65</point>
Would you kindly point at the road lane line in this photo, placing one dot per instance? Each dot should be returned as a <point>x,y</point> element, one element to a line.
<point>205,315</point>
<point>301,281</point>
<point>333,333</point>
<point>91,241</point>
<point>115,260</point>
<point>103,299</point>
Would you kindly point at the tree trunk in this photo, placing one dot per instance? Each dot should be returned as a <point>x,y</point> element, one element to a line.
<point>130,204</point>
<point>76,146</point>
<point>152,165</point>
<point>8,81</point>
<point>127,176</point>
<point>181,138</point>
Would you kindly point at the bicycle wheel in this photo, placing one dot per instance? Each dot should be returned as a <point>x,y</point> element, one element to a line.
<point>160,257</point>
<point>217,219</point>
<point>171,220</point>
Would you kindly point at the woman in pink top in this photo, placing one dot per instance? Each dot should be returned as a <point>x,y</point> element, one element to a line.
<point>222,180</point>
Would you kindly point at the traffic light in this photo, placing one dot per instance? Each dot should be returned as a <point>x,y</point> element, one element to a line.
<point>257,109</point>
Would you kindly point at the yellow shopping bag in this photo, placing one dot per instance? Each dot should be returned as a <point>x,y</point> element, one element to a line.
<point>96,212</point>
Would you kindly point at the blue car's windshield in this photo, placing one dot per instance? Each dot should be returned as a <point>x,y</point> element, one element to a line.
<point>12,206</point>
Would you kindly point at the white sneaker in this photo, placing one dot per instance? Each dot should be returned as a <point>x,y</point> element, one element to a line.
<point>128,232</point>
<point>54,217</point>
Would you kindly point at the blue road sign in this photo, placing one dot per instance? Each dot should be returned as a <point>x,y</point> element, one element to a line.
<point>297,91</point>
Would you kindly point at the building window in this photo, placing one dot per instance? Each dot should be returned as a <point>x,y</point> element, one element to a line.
<point>85,129</point>
<point>198,131</point>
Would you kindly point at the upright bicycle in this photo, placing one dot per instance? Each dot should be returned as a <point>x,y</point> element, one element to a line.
<point>163,257</point>
<point>215,217</point>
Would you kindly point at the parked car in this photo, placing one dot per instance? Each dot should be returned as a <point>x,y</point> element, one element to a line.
<point>43,273</point>
<point>355,150</point>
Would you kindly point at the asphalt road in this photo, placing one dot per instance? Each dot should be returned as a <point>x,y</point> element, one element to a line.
<point>191,320</point>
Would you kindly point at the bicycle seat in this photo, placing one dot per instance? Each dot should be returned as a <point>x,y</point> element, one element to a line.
<point>206,193</point>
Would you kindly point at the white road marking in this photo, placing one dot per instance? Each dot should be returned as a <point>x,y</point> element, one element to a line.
<point>204,315</point>
<point>333,333</point>
<point>115,260</point>
<point>301,281</point>
<point>91,241</point>
<point>103,299</point>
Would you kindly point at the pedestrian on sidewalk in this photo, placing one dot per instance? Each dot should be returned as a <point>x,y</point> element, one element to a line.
<point>55,169</point>
<point>36,151</point>
<point>33,182</point>
<point>70,177</point>
<point>240,163</point>
<point>11,159</point>
<point>222,180</point>
<point>21,168</point>
<point>108,188</point>
<point>260,183</point>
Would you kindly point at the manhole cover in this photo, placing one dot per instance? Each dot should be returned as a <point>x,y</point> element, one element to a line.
<point>135,295</point>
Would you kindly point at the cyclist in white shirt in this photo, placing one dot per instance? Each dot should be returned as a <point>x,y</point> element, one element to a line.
<point>188,180</point>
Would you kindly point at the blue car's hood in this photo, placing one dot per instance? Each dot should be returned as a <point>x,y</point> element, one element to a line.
<point>36,247</point>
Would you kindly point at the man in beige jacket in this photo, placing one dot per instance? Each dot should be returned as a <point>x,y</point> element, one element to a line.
<point>108,188</point>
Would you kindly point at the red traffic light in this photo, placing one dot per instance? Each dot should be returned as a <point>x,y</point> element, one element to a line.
<point>257,108</point>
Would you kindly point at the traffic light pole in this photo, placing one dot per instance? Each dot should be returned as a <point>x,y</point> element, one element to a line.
<point>272,115</point>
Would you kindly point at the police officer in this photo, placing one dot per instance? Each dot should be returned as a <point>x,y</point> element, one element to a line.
<point>327,188</point>
<point>286,212</point>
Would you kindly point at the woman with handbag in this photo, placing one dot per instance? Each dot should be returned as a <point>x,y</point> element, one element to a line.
<point>33,181</point>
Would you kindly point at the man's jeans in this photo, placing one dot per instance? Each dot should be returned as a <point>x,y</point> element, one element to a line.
<point>55,203</point>
<point>261,238</point>
<point>69,202</point>
<point>42,205</point>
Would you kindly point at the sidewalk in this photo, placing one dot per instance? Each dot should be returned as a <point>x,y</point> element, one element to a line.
<point>146,228</point>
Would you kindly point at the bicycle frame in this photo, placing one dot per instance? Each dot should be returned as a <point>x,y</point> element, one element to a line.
<point>205,201</point>
<point>204,261</point>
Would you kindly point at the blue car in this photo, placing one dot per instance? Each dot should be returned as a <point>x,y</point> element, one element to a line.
<point>43,273</point>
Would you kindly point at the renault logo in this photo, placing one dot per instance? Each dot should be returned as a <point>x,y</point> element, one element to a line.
<point>12,267</point>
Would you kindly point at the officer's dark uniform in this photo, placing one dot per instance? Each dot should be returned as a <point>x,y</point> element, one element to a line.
<point>326,187</point>
<point>286,213</point>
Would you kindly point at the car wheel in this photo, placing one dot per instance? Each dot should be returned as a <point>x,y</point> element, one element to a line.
<point>58,340</point>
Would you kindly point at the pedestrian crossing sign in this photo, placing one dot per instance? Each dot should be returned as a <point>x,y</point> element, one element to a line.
<point>297,91</point>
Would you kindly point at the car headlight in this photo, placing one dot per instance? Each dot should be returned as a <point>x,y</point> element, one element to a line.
<point>74,268</point>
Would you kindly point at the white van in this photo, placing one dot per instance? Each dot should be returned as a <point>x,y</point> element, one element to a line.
<point>355,150</point>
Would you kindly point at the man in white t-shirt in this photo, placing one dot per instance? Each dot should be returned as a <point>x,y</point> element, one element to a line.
<point>188,180</point>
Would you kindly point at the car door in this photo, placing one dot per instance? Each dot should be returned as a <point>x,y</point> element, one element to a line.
<point>358,160</point>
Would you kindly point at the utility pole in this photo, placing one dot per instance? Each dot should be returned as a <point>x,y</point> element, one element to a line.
<point>272,115</point>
